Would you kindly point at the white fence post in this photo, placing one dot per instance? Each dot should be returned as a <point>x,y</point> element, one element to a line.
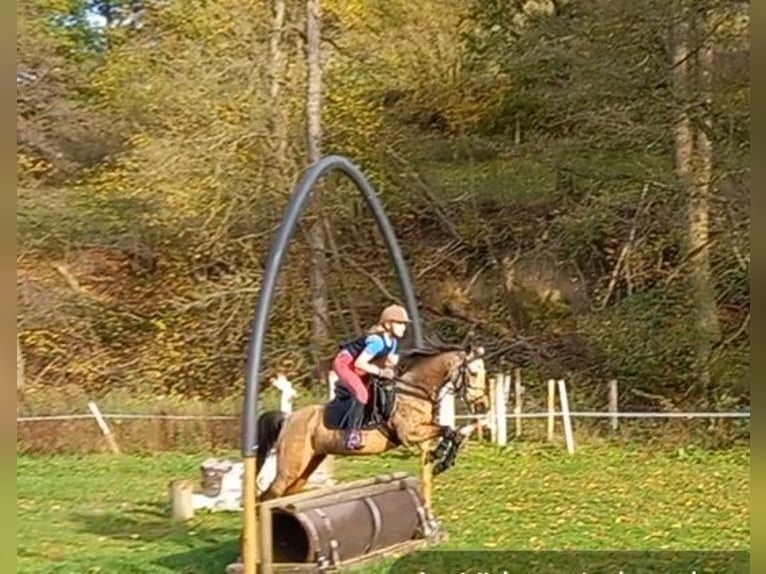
<point>501,411</point>
<point>551,407</point>
<point>518,390</point>
<point>613,408</point>
<point>566,416</point>
<point>495,380</point>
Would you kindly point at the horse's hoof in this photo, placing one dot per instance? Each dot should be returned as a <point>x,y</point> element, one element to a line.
<point>441,466</point>
<point>436,454</point>
<point>433,527</point>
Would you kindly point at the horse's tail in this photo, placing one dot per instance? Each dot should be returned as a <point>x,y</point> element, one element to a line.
<point>270,425</point>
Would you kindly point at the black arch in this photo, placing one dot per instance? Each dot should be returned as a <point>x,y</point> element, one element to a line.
<point>274,261</point>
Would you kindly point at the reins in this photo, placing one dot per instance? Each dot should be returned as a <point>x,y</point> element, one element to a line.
<point>407,388</point>
<point>412,390</point>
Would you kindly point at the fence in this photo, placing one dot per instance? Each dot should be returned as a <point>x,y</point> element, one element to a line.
<point>499,395</point>
<point>496,420</point>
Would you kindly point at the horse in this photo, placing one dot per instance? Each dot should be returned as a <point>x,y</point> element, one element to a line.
<point>306,436</point>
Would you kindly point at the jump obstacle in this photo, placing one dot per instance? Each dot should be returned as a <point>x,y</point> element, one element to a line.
<point>342,524</point>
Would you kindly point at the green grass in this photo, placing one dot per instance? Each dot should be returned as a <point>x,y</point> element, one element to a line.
<point>102,514</point>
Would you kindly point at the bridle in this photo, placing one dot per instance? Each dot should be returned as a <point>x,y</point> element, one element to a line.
<point>458,378</point>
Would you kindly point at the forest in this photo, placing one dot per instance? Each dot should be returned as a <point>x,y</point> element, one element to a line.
<point>569,181</point>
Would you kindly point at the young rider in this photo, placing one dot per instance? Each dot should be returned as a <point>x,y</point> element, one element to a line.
<point>376,353</point>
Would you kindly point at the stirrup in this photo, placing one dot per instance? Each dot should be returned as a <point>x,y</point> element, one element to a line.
<point>353,440</point>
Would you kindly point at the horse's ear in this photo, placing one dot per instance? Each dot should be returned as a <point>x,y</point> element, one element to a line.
<point>473,353</point>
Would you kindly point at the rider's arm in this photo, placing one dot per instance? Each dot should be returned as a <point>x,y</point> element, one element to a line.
<point>373,346</point>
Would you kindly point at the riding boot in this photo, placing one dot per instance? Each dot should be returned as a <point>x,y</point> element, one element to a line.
<point>353,425</point>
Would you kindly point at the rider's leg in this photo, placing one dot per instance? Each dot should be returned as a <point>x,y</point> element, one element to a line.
<point>343,367</point>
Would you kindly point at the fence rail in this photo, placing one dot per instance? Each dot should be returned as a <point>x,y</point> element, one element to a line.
<point>503,405</point>
<point>636,415</point>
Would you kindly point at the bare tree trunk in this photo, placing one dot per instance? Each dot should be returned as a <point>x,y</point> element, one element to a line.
<point>693,151</point>
<point>319,297</point>
<point>702,285</point>
<point>278,61</point>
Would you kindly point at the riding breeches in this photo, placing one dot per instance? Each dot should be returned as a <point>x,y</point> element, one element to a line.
<point>343,365</point>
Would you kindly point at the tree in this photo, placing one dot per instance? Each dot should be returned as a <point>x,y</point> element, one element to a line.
<point>317,241</point>
<point>692,66</point>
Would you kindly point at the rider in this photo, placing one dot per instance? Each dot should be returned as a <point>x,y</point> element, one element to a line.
<point>362,357</point>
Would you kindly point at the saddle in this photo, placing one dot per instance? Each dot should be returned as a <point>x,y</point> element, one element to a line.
<point>376,412</point>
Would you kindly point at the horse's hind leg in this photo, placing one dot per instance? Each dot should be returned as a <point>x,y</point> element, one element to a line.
<point>295,455</point>
<point>298,485</point>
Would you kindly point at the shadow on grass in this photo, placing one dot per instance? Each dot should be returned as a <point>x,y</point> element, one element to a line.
<point>204,559</point>
<point>206,543</point>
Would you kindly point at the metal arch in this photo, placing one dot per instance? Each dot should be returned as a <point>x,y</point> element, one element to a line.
<point>274,261</point>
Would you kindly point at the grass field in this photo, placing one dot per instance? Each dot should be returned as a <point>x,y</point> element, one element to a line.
<point>102,514</point>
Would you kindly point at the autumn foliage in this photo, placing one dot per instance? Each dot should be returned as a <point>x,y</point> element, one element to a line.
<point>524,151</point>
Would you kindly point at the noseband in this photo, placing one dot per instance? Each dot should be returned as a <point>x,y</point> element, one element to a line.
<point>460,380</point>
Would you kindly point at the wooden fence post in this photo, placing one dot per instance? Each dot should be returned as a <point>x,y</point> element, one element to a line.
<point>180,493</point>
<point>104,427</point>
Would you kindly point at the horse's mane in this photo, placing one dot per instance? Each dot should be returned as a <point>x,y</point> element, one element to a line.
<point>432,347</point>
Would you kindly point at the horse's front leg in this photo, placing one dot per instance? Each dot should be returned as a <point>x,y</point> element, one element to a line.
<point>426,433</point>
<point>423,436</point>
<point>446,451</point>
<point>444,446</point>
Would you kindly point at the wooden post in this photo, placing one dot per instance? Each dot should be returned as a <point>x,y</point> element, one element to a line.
<point>180,492</point>
<point>566,417</point>
<point>518,389</point>
<point>104,427</point>
<point>267,541</point>
<point>613,408</point>
<point>250,549</point>
<point>501,411</point>
<point>551,407</point>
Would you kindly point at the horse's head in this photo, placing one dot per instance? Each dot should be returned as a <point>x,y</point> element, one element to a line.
<point>463,368</point>
<point>468,378</point>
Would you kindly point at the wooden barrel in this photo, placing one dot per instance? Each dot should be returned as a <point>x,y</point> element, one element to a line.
<point>348,525</point>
